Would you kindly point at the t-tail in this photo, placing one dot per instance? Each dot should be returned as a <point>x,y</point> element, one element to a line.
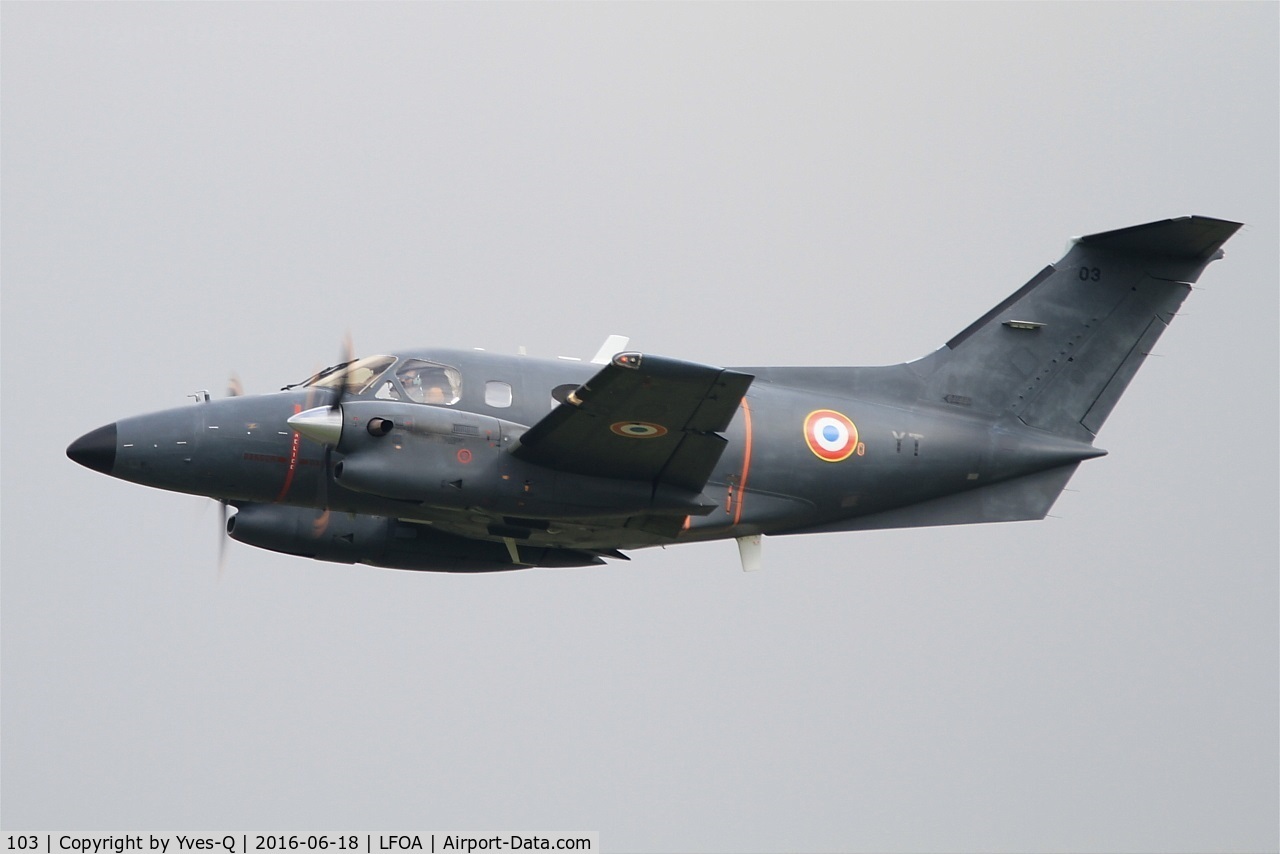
<point>1055,356</point>
<point>1060,351</point>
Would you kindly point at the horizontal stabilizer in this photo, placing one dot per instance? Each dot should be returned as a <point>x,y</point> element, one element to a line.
<point>1018,500</point>
<point>1188,237</point>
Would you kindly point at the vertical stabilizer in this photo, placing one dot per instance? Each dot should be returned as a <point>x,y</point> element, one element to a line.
<point>1060,351</point>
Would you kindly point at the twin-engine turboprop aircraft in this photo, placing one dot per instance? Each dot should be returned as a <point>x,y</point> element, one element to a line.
<point>468,461</point>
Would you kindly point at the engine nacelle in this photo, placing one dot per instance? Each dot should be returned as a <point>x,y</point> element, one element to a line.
<point>442,458</point>
<point>385,542</point>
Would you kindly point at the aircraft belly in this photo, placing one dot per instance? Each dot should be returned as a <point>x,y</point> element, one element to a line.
<point>589,535</point>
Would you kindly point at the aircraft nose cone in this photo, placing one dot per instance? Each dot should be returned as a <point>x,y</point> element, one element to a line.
<point>95,449</point>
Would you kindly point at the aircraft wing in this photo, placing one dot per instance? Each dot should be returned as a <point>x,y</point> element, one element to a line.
<point>641,418</point>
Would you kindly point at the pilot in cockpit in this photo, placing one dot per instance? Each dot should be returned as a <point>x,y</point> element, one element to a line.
<point>411,379</point>
<point>427,382</point>
<point>423,385</point>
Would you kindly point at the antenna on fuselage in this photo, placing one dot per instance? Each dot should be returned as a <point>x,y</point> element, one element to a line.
<point>751,552</point>
<point>612,345</point>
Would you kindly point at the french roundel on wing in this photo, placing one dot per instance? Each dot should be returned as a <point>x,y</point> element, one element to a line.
<point>830,435</point>
<point>638,429</point>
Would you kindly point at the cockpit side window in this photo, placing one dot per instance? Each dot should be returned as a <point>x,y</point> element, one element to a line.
<point>430,382</point>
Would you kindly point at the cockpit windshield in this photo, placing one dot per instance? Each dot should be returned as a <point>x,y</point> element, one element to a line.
<point>359,375</point>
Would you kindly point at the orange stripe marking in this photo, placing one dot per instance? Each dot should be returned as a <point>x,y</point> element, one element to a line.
<point>293,460</point>
<point>746,460</point>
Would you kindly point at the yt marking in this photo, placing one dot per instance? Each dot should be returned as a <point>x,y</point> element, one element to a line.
<point>916,437</point>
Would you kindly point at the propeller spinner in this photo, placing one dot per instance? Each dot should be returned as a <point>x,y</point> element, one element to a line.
<point>322,424</point>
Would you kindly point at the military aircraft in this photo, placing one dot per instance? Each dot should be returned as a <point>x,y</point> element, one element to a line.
<point>470,461</point>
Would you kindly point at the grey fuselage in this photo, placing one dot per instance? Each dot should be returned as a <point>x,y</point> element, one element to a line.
<point>460,477</point>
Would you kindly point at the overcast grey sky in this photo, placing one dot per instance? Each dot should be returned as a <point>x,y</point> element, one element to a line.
<point>193,189</point>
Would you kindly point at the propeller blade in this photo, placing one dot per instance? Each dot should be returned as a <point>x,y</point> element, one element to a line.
<point>321,524</point>
<point>311,398</point>
<point>234,386</point>
<point>322,422</point>
<point>347,357</point>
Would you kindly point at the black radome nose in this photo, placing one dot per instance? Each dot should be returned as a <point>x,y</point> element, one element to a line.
<point>95,449</point>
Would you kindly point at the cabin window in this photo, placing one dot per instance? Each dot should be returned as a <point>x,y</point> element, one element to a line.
<point>430,382</point>
<point>497,394</point>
